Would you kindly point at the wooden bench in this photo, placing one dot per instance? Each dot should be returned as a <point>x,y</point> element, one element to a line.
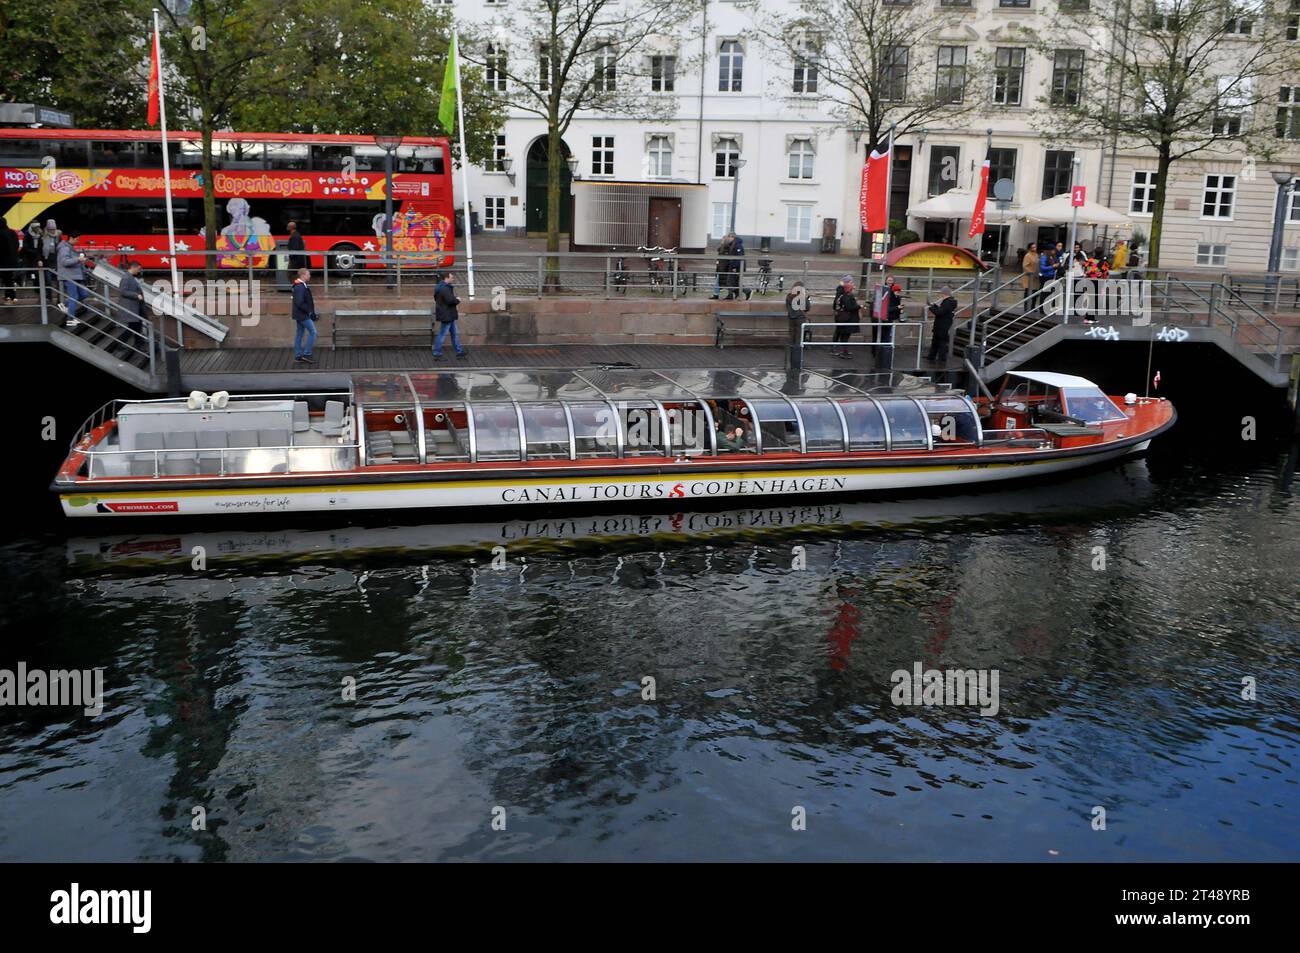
<point>727,323</point>
<point>377,323</point>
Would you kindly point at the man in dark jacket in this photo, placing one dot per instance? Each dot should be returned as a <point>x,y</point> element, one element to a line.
<point>445,304</point>
<point>847,316</point>
<point>133,298</point>
<point>943,312</point>
<point>885,330</point>
<point>296,248</point>
<point>9,275</point>
<point>304,315</point>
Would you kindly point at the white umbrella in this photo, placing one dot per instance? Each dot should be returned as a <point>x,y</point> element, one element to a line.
<point>1057,210</point>
<point>955,203</point>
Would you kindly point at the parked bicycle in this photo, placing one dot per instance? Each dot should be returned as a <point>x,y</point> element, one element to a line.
<point>656,265</point>
<point>620,277</point>
<point>765,277</point>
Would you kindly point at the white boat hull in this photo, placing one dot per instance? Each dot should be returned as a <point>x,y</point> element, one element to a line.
<point>827,478</point>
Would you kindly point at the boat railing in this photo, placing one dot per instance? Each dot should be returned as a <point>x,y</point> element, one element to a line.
<point>346,452</point>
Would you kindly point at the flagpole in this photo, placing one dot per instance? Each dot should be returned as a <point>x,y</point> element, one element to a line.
<point>167,184</point>
<point>464,167</point>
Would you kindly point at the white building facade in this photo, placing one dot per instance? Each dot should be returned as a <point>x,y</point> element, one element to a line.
<point>729,95</point>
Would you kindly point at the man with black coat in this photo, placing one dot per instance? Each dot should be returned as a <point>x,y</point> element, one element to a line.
<point>445,305</point>
<point>296,248</point>
<point>132,296</point>
<point>944,312</point>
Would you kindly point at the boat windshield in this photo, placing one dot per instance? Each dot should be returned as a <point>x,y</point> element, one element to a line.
<point>1091,405</point>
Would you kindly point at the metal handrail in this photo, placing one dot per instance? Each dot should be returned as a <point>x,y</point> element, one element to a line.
<point>90,455</point>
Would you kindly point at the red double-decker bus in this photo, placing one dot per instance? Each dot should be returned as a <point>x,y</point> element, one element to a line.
<point>108,185</point>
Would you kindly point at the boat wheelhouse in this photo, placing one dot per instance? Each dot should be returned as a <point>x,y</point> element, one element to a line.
<point>468,438</point>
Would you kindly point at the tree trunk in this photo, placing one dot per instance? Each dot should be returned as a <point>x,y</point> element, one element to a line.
<point>1158,213</point>
<point>209,200</point>
<point>554,163</point>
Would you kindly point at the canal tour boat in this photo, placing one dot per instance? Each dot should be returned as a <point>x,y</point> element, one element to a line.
<point>470,439</point>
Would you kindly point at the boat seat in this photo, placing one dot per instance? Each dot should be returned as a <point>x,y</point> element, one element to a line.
<point>148,441</point>
<point>178,465</point>
<point>301,417</point>
<point>274,437</point>
<point>141,465</point>
<point>181,440</point>
<point>242,438</point>
<point>332,425</point>
<point>210,443</point>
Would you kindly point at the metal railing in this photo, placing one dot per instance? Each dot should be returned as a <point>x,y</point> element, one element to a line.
<point>884,326</point>
<point>337,456</point>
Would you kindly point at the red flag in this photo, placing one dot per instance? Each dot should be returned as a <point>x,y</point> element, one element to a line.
<point>862,198</point>
<point>154,81</point>
<point>875,192</point>
<point>977,219</point>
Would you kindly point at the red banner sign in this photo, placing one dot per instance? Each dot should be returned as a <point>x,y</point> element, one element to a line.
<point>1078,195</point>
<point>977,217</point>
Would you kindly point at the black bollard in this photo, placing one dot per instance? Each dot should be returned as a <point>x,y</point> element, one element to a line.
<point>172,358</point>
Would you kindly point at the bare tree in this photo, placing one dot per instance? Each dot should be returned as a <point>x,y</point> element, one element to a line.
<point>1179,77</point>
<point>877,62</point>
<point>556,59</point>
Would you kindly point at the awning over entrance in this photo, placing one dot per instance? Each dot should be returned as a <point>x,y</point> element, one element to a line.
<point>955,203</point>
<point>1057,211</point>
<point>932,255</point>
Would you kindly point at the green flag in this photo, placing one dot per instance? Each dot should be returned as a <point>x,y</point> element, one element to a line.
<point>447,108</point>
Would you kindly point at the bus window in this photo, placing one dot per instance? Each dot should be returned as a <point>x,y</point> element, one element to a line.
<point>150,154</point>
<point>237,155</point>
<point>191,154</point>
<point>329,158</point>
<point>345,218</point>
<point>427,159</point>
<point>67,153</point>
<point>21,153</point>
<point>112,155</point>
<point>286,155</point>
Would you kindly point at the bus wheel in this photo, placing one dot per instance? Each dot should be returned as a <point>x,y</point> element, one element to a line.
<point>344,261</point>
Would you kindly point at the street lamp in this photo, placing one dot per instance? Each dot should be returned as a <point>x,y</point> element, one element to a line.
<point>572,163</point>
<point>1284,180</point>
<point>736,165</point>
<point>389,144</point>
<point>508,167</point>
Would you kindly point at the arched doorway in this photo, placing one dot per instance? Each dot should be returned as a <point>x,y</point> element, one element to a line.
<point>535,189</point>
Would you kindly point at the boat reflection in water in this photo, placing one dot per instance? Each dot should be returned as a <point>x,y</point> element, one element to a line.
<point>1104,493</point>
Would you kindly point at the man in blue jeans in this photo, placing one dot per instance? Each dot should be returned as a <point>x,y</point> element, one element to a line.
<point>445,304</point>
<point>304,315</point>
<point>72,275</point>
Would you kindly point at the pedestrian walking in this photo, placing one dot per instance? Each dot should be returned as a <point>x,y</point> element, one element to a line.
<point>847,316</point>
<point>892,314</point>
<point>944,311</point>
<point>1029,276</point>
<point>71,272</point>
<point>296,248</point>
<point>132,295</point>
<point>45,246</point>
<point>445,310</point>
<point>723,266</point>
<point>304,316</point>
<point>737,266</point>
<point>796,311</point>
<point>10,275</point>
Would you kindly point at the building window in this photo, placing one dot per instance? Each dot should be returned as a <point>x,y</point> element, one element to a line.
<point>1288,112</point>
<point>805,65</point>
<point>1215,256</point>
<point>1293,21</point>
<point>943,168</point>
<point>893,79</point>
<point>721,219</point>
<point>544,66</point>
<point>1013,3</point>
<point>724,159</point>
<point>954,3</point>
<point>1219,193</point>
<point>1008,75</point>
<point>1293,210</point>
<point>602,155</point>
<point>660,153</point>
<point>1164,16</point>
<point>1067,77</point>
<point>498,161</point>
<point>1291,259</point>
<point>1058,169</point>
<point>801,159</point>
<point>1002,165</point>
<point>731,66</point>
<point>798,223</point>
<point>1234,97</point>
<point>663,74</point>
<point>1142,197</point>
<point>950,78</point>
<point>494,68</point>
<point>494,212</point>
<point>604,73</point>
<point>1239,25</point>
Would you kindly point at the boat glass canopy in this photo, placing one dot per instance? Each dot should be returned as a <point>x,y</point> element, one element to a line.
<point>522,415</point>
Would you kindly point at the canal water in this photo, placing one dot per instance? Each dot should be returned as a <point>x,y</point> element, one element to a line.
<point>675,686</point>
